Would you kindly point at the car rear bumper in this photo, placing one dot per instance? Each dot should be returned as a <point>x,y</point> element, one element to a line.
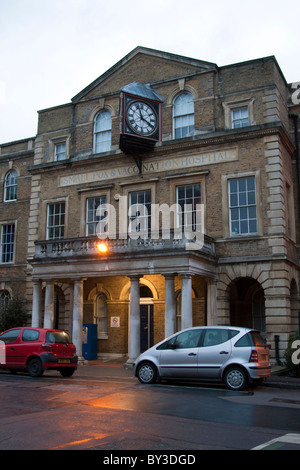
<point>54,362</point>
<point>259,372</point>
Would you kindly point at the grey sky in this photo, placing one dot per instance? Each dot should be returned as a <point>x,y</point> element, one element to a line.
<point>51,49</point>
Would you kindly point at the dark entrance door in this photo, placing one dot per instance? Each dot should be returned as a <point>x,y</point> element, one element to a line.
<point>146,314</point>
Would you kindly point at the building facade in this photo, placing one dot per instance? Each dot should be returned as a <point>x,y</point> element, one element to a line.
<point>216,146</point>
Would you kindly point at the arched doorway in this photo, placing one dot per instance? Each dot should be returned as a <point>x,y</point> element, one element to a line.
<point>247,304</point>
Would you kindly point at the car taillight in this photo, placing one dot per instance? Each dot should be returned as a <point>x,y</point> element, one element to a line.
<point>47,347</point>
<point>253,356</point>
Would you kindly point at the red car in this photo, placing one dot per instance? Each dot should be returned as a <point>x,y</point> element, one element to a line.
<point>36,350</point>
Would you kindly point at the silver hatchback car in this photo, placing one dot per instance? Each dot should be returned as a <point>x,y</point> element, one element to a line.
<point>232,355</point>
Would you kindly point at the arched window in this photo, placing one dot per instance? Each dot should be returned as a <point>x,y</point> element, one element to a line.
<point>4,298</point>
<point>102,132</point>
<point>10,186</point>
<point>101,316</point>
<point>183,116</point>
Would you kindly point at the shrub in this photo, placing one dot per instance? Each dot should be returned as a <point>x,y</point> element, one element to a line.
<point>13,314</point>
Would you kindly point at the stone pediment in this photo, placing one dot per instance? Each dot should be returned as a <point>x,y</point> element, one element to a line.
<point>142,65</point>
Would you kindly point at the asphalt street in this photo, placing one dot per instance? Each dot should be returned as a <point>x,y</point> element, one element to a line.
<point>103,407</point>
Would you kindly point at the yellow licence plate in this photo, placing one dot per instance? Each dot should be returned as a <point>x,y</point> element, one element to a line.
<point>64,361</point>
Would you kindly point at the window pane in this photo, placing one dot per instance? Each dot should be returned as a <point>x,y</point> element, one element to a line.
<point>92,219</point>
<point>183,114</point>
<point>10,186</point>
<point>102,132</point>
<point>188,197</point>
<point>7,243</point>
<point>242,206</point>
<point>60,151</point>
<point>56,220</point>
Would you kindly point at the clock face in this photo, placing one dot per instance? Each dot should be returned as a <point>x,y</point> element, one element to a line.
<point>141,118</point>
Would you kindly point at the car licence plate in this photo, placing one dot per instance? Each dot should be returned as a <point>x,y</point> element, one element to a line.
<point>64,361</point>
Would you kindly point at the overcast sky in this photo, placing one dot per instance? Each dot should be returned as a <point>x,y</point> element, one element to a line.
<point>51,49</point>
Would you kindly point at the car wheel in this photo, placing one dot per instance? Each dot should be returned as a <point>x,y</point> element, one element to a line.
<point>35,367</point>
<point>67,372</point>
<point>147,373</point>
<point>235,378</point>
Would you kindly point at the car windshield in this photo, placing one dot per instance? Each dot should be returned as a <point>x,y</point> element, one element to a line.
<point>58,337</point>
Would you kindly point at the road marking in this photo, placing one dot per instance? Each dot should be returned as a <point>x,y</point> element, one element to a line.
<point>83,441</point>
<point>279,442</point>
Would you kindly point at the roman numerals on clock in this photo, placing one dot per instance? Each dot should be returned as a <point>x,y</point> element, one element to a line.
<point>141,118</point>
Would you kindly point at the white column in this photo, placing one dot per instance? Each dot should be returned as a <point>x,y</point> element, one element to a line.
<point>211,303</point>
<point>170,305</point>
<point>49,305</point>
<point>134,346</point>
<point>36,304</point>
<point>78,316</point>
<point>186,301</point>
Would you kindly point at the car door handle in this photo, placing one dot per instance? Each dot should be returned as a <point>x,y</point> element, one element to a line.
<point>192,354</point>
<point>12,349</point>
<point>224,352</point>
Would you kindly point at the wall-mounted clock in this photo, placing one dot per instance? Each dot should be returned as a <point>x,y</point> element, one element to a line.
<point>140,117</point>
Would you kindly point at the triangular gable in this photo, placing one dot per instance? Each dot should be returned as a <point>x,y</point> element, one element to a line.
<point>178,65</point>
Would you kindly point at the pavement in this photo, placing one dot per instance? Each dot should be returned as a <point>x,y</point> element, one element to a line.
<point>118,367</point>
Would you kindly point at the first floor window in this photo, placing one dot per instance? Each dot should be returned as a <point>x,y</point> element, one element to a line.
<point>56,220</point>
<point>7,243</point>
<point>140,211</point>
<point>189,199</point>
<point>242,206</point>
<point>92,216</point>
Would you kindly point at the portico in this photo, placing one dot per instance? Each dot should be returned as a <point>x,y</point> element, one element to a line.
<point>177,280</point>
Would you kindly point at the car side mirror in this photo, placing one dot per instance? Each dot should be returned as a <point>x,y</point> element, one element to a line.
<point>172,346</point>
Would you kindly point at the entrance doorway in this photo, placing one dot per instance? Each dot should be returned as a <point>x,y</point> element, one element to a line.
<point>146,326</point>
<point>146,318</point>
<point>247,304</point>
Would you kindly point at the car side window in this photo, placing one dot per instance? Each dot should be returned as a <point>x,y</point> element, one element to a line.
<point>30,335</point>
<point>186,339</point>
<point>10,336</point>
<point>244,342</point>
<point>214,336</point>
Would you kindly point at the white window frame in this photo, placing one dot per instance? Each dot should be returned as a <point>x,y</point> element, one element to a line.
<point>183,218</point>
<point>60,226</point>
<point>143,212</point>
<point>102,131</point>
<point>7,247</point>
<point>231,106</point>
<point>241,206</point>
<point>10,186</point>
<point>91,218</point>
<point>60,154</point>
<point>183,115</point>
<point>240,117</point>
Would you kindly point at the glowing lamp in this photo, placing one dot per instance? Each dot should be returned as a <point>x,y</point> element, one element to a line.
<point>102,247</point>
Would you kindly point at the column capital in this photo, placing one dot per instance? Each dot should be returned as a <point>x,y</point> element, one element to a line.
<point>186,275</point>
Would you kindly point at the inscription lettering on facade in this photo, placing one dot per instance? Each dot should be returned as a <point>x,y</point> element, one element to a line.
<point>180,163</point>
